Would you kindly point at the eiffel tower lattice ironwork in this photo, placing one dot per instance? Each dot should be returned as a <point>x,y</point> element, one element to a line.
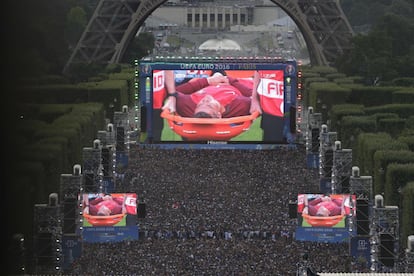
<point>114,24</point>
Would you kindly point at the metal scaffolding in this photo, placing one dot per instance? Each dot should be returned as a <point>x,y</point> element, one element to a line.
<point>341,169</point>
<point>47,237</point>
<point>92,168</point>
<point>384,232</point>
<point>313,130</point>
<point>70,188</point>
<point>361,187</point>
<point>326,147</point>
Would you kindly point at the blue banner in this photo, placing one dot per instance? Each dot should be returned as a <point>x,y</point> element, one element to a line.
<point>361,252</point>
<point>312,160</point>
<point>110,234</point>
<point>72,250</point>
<point>108,184</point>
<point>322,234</point>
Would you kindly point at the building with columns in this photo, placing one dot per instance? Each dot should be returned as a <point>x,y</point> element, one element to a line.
<point>218,16</point>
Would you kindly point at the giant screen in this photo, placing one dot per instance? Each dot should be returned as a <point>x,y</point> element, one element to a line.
<point>213,102</point>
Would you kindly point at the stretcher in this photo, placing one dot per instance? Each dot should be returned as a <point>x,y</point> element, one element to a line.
<point>317,221</point>
<point>104,220</point>
<point>222,129</point>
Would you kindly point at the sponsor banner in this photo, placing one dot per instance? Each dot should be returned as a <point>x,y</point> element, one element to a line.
<point>322,234</point>
<point>361,252</point>
<point>312,160</point>
<point>72,250</point>
<point>109,234</point>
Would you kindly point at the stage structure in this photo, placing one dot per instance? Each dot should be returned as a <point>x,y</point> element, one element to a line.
<point>47,237</point>
<point>92,168</point>
<point>70,188</point>
<point>326,148</point>
<point>121,123</point>
<point>312,138</point>
<point>359,224</point>
<point>341,169</point>
<point>107,137</point>
<point>384,232</point>
<point>361,186</point>
<point>122,141</point>
<point>108,160</point>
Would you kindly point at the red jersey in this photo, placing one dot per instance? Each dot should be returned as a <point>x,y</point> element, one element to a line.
<point>271,92</point>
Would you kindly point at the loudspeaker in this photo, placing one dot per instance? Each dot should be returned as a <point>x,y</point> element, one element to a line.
<point>328,163</point>
<point>69,215</point>
<point>141,210</point>
<point>293,210</point>
<point>362,217</point>
<point>106,161</point>
<point>386,252</point>
<point>315,140</point>
<point>120,139</point>
<point>90,186</point>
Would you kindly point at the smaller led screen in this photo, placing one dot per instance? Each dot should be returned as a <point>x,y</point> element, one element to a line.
<point>323,217</point>
<point>116,209</point>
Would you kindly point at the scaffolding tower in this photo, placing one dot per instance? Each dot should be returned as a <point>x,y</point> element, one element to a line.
<point>70,188</point>
<point>107,137</point>
<point>47,237</point>
<point>313,124</point>
<point>121,122</point>
<point>92,168</point>
<point>361,187</point>
<point>384,232</point>
<point>108,157</point>
<point>122,142</point>
<point>326,147</point>
<point>313,130</point>
<point>341,169</point>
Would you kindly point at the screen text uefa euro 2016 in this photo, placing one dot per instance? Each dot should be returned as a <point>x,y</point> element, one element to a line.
<point>238,119</point>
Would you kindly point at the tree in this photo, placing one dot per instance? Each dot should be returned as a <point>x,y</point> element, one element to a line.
<point>139,47</point>
<point>75,24</point>
<point>383,52</point>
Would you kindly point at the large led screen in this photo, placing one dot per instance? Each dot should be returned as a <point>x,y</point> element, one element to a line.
<point>223,103</point>
<point>323,217</point>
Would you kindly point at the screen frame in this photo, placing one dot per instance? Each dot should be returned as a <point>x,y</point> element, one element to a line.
<point>289,68</point>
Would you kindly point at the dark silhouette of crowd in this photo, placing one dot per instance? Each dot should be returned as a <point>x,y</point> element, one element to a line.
<point>215,212</point>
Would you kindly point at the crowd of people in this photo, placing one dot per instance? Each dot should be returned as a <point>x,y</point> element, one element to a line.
<point>215,212</point>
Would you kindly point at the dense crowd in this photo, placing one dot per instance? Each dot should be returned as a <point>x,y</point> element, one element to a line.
<point>215,212</point>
